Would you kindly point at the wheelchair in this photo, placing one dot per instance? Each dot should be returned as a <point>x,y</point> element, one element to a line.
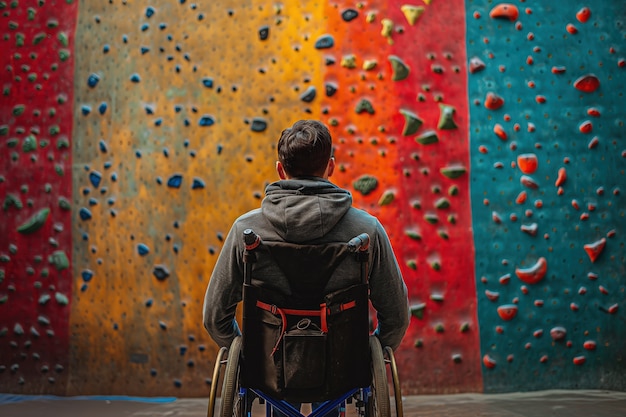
<point>308,345</point>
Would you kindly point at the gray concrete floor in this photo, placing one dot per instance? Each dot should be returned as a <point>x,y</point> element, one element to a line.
<point>587,403</point>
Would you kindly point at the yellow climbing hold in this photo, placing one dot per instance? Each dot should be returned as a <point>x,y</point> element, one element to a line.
<point>369,64</point>
<point>412,13</point>
<point>387,29</point>
<point>348,61</point>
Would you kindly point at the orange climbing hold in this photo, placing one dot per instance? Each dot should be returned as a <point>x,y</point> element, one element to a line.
<point>586,127</point>
<point>535,273</point>
<point>504,11</point>
<point>527,163</point>
<point>562,176</point>
<point>489,362</point>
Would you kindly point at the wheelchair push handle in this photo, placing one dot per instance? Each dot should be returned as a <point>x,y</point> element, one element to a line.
<point>359,243</point>
<point>250,239</point>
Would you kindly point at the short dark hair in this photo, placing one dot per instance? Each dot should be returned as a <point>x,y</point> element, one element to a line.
<point>305,148</point>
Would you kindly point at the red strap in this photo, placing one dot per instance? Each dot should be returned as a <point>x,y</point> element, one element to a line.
<point>323,312</point>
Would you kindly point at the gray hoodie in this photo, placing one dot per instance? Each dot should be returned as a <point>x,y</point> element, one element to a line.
<point>311,211</point>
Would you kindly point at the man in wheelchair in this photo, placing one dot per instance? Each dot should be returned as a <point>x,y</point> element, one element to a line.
<point>299,263</point>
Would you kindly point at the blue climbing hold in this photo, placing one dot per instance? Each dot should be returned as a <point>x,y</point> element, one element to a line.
<point>85,109</point>
<point>102,108</point>
<point>150,12</point>
<point>103,146</point>
<point>208,82</point>
<point>143,249</point>
<point>84,213</point>
<point>135,78</point>
<point>324,42</point>
<point>206,120</point>
<point>95,177</point>
<point>197,184</point>
<point>93,80</point>
<point>87,274</point>
<point>174,181</point>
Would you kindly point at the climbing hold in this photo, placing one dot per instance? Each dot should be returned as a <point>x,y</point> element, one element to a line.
<point>330,89</point>
<point>206,120</point>
<point>562,176</point>
<point>399,69</point>
<point>349,15</point>
<point>197,184</point>
<point>527,163</point>
<point>264,32</point>
<point>324,42</point>
<point>595,249</point>
<point>499,131</point>
<point>365,184</point>
<point>489,362</point>
<point>309,94</point>
<point>453,171</point>
<point>558,333</point>
<point>35,222</point>
<point>507,311</point>
<point>493,101</point>
<point>492,295</point>
<point>387,198</point>
<point>585,127</point>
<point>475,65</point>
<point>387,29</point>
<point>364,105</point>
<point>412,123</point>
<point>504,11</point>
<point>533,274</point>
<point>427,138</point>
<point>59,260</point>
<point>446,120</point>
<point>258,124</point>
<point>161,272</point>
<point>417,310</point>
<point>412,13</point>
<point>583,14</point>
<point>143,249</point>
<point>526,181</point>
<point>587,83</point>
<point>175,181</point>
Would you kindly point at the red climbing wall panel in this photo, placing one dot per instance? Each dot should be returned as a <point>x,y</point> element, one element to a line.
<point>36,109</point>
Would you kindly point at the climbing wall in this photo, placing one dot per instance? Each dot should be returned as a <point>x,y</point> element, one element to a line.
<point>487,137</point>
<point>546,85</point>
<point>36,110</point>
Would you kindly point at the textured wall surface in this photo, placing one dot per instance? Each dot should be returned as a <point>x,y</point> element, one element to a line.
<point>488,137</point>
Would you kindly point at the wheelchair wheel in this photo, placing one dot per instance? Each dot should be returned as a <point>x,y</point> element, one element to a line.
<point>397,393</point>
<point>215,381</point>
<point>232,404</point>
<point>378,405</point>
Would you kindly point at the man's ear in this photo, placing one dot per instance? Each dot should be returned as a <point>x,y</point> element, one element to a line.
<point>330,168</point>
<point>281,171</point>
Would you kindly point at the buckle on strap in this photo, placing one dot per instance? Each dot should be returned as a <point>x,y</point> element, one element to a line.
<point>338,308</point>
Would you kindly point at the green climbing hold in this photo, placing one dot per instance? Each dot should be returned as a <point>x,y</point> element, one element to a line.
<point>399,68</point>
<point>387,198</point>
<point>364,106</point>
<point>446,120</point>
<point>61,299</point>
<point>59,260</point>
<point>35,222</point>
<point>30,143</point>
<point>427,138</point>
<point>365,184</point>
<point>412,123</point>
<point>453,171</point>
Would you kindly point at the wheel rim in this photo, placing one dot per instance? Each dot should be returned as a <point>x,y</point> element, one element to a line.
<point>231,400</point>
<point>380,387</point>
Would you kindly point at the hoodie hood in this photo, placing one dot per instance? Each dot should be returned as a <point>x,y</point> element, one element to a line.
<point>304,209</point>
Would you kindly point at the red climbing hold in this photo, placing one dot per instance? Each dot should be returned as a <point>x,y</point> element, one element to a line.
<point>504,11</point>
<point>475,65</point>
<point>528,182</point>
<point>499,131</point>
<point>579,360</point>
<point>527,163</point>
<point>489,362</point>
<point>587,83</point>
<point>586,127</point>
<point>595,249</point>
<point>535,273</point>
<point>583,15</point>
<point>560,180</point>
<point>507,312</point>
<point>493,101</point>
<point>589,345</point>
